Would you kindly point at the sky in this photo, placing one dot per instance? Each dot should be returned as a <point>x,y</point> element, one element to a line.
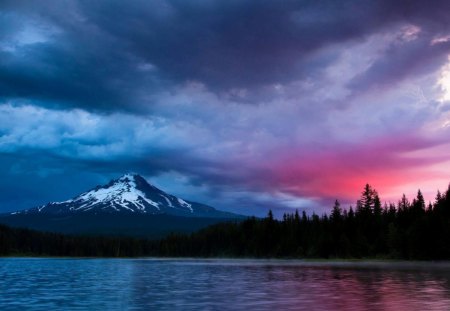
<point>241,105</point>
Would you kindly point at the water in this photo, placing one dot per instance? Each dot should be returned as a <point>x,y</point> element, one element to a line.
<point>158,284</point>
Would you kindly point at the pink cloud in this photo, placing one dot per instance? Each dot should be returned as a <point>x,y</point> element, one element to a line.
<point>341,171</point>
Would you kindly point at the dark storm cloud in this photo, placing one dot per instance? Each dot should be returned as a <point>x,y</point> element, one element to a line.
<point>400,61</point>
<point>414,52</point>
<point>53,55</point>
<point>107,55</point>
<point>215,93</point>
<point>233,43</point>
<point>26,182</point>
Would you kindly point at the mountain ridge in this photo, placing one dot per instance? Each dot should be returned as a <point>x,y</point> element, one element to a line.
<point>126,206</point>
<point>130,193</point>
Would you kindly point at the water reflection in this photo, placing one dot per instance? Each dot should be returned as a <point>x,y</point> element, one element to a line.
<point>142,284</point>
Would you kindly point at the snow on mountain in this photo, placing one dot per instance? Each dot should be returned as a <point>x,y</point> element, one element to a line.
<point>130,193</point>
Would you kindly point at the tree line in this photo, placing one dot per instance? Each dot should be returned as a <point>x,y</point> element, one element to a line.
<point>406,230</point>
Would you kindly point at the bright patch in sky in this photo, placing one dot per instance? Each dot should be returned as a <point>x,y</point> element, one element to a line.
<point>444,82</point>
<point>242,105</point>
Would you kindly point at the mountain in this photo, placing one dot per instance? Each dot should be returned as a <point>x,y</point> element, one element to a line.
<point>127,206</point>
<point>129,194</point>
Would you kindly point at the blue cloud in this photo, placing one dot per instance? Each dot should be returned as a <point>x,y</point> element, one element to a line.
<point>211,92</point>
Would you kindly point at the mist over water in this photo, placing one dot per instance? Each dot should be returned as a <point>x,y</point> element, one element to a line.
<point>168,284</point>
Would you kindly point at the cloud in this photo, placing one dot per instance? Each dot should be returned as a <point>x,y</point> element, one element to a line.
<point>83,135</point>
<point>246,104</point>
<point>111,55</point>
<point>410,54</point>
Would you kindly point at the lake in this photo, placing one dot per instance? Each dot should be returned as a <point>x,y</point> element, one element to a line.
<point>190,284</point>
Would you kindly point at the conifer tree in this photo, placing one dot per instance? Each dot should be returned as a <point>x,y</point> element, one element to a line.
<point>336,213</point>
<point>368,199</point>
<point>403,204</point>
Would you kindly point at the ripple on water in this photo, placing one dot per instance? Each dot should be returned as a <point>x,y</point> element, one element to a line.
<point>142,284</point>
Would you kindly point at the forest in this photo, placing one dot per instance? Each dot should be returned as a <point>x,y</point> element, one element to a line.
<point>411,230</point>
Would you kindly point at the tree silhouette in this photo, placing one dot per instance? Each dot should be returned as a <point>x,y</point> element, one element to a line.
<point>408,231</point>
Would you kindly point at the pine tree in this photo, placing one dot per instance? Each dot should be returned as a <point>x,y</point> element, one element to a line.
<point>270,216</point>
<point>403,204</point>
<point>304,217</point>
<point>368,199</point>
<point>377,205</point>
<point>419,203</point>
<point>336,213</point>
<point>296,217</point>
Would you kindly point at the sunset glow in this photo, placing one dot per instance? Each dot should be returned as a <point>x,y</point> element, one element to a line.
<point>244,106</point>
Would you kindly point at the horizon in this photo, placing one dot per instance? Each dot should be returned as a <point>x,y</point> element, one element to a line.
<point>349,206</point>
<point>243,106</point>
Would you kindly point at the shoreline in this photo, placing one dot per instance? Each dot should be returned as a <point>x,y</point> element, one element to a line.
<point>311,263</point>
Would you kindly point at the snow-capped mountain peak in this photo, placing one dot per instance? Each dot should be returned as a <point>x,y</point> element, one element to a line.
<point>122,192</point>
<point>130,193</point>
